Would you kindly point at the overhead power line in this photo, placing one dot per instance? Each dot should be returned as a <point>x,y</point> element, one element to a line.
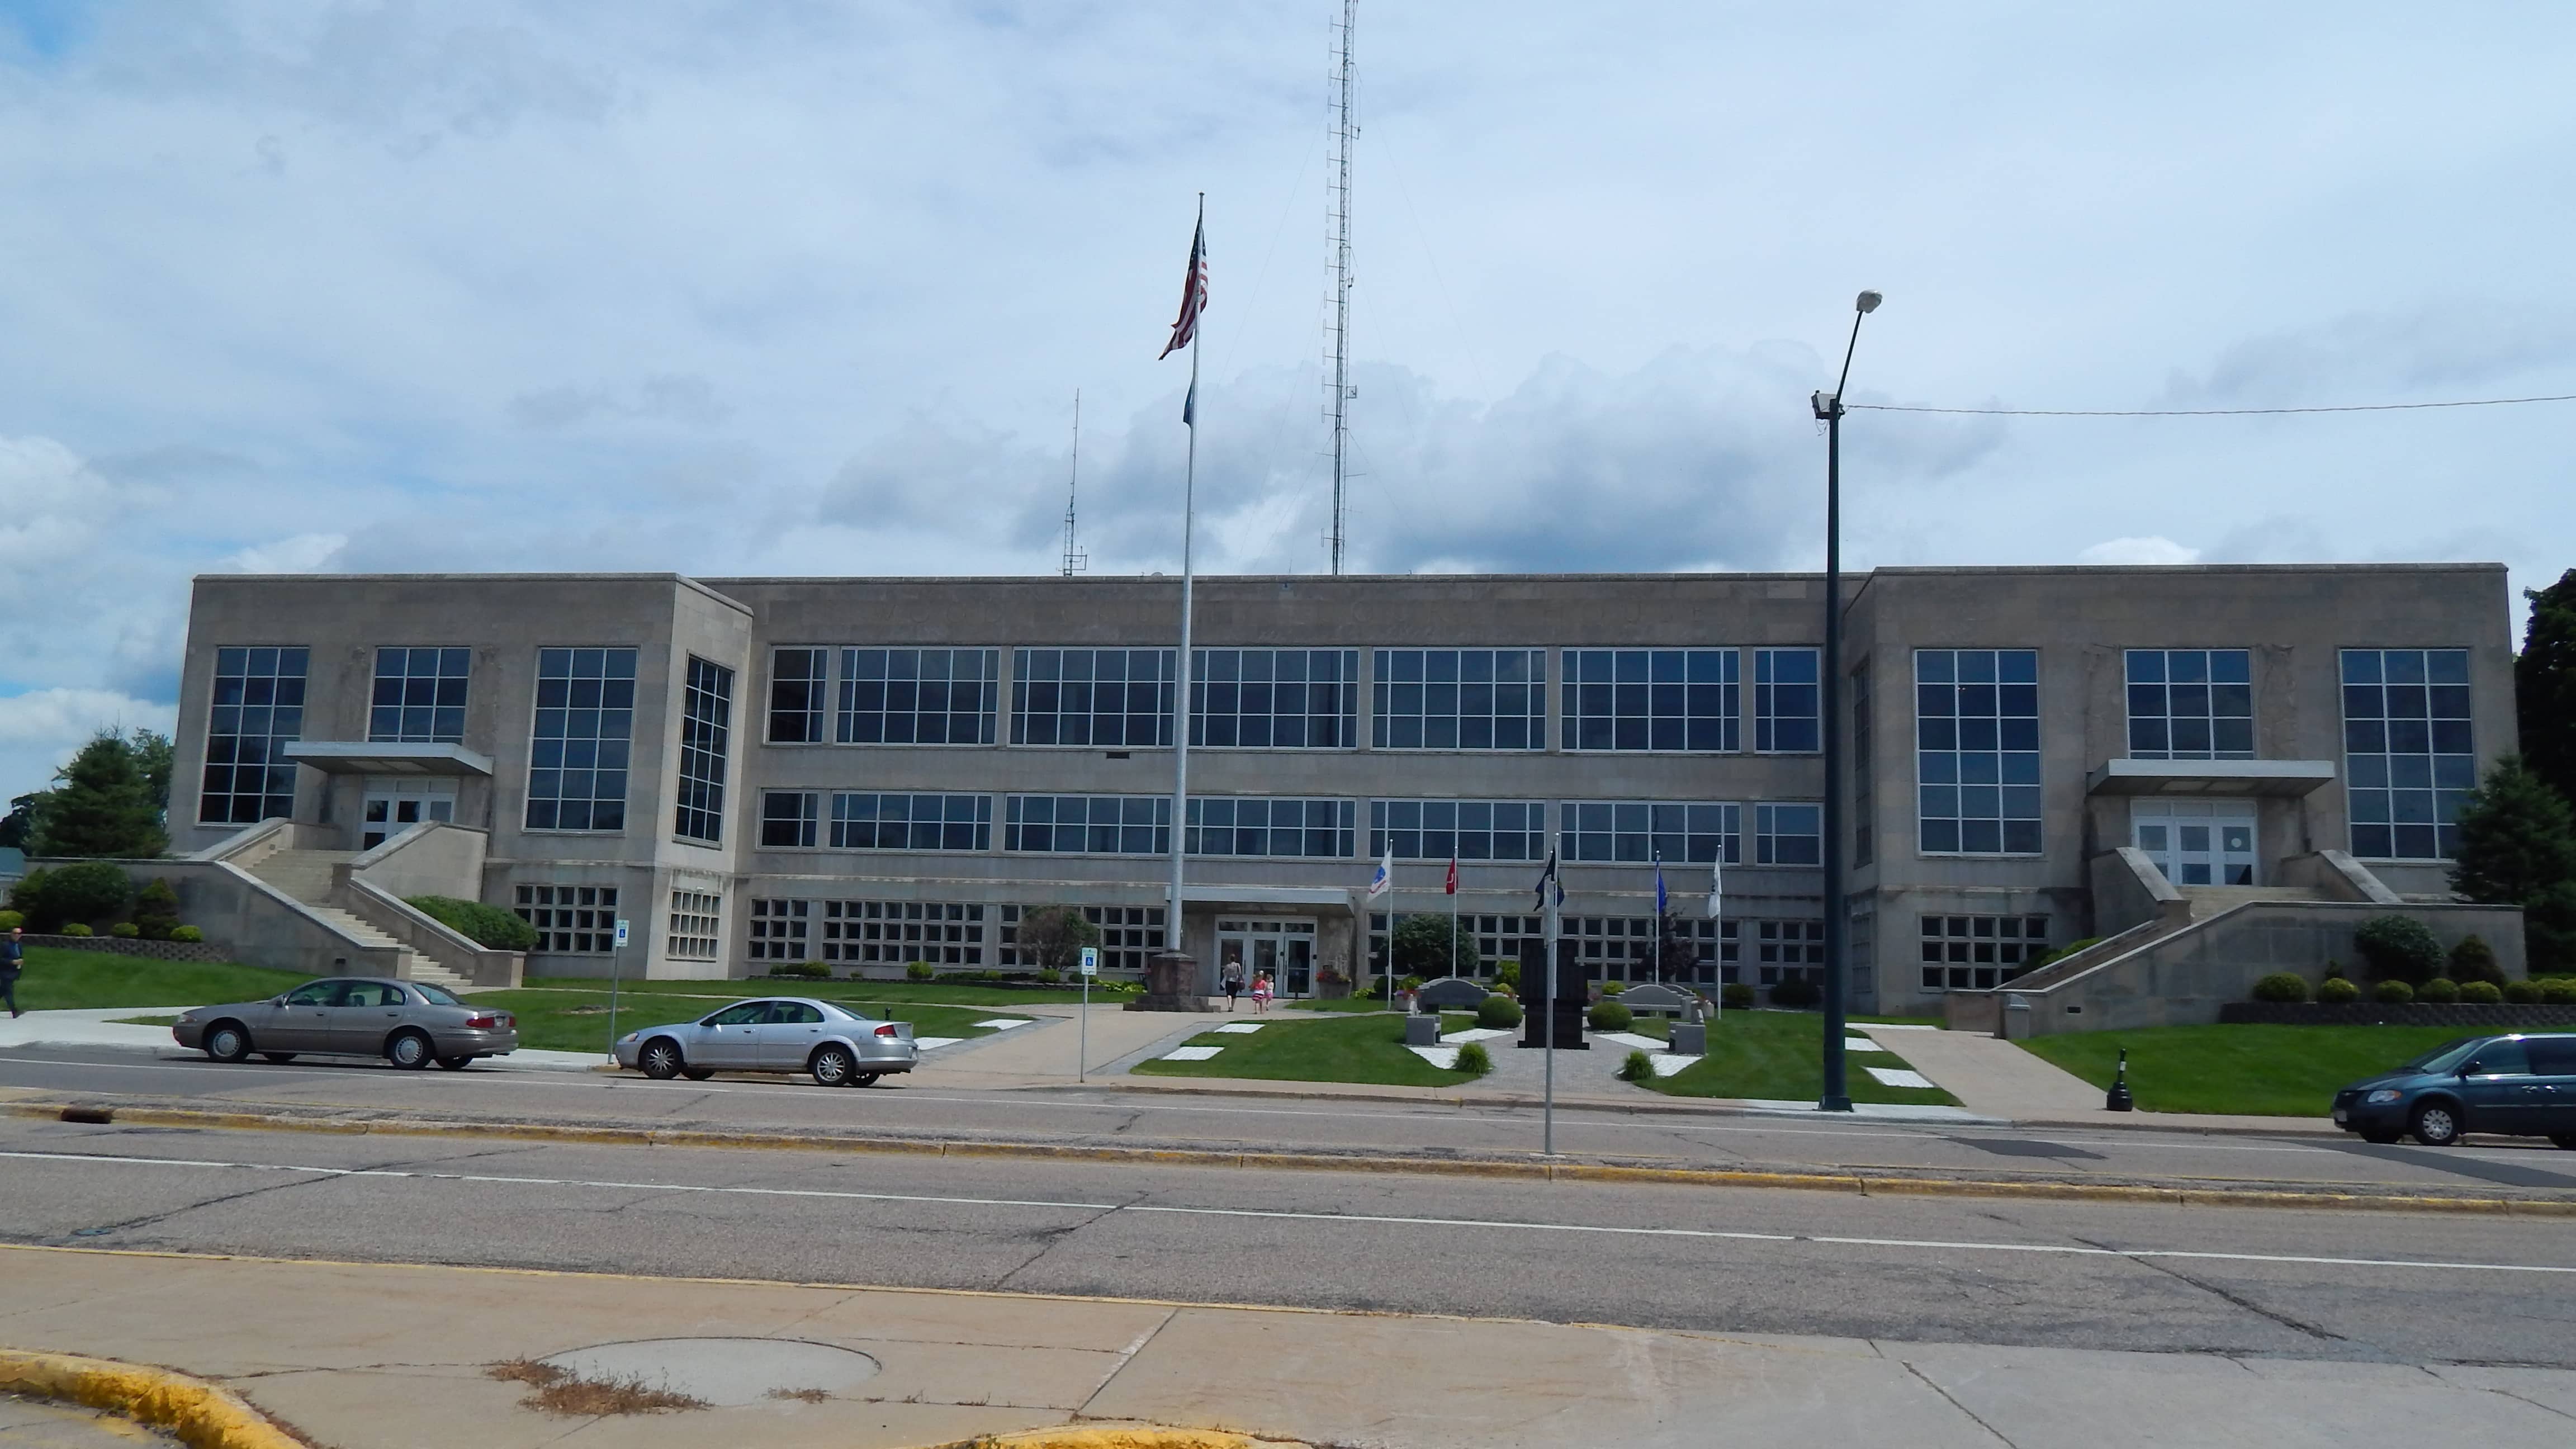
<point>2481,402</point>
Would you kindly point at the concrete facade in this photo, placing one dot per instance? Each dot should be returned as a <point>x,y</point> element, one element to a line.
<point>2293,620</point>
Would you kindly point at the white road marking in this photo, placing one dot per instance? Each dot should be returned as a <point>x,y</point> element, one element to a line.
<point>1282,1215</point>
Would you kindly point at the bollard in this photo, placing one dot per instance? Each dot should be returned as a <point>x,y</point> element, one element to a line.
<point>2118,1100</point>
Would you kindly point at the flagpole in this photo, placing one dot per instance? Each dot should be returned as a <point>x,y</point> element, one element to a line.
<point>1181,693</point>
<point>1547,1133</point>
<point>1453,915</point>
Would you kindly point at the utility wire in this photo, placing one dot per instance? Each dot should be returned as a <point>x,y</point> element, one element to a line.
<point>2483,402</point>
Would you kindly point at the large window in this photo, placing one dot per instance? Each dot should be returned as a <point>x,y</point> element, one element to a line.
<point>1465,829</point>
<point>706,733</point>
<point>1650,699</point>
<point>2408,756</point>
<point>780,930</point>
<point>1460,699</point>
<point>1112,697</point>
<point>788,819</point>
<point>1608,948</point>
<point>696,919</point>
<point>1279,699</point>
<point>1788,834</point>
<point>1977,750</point>
<point>420,696</point>
<point>1128,935</point>
<point>1979,953</point>
<point>912,822</point>
<point>1636,832</point>
<point>258,707</point>
<point>1090,824</point>
<point>798,693</point>
<point>896,933</point>
<point>2191,704</point>
<point>1260,825</point>
<point>585,723</point>
<point>571,920</point>
<point>919,696</point>
<point>1785,707</point>
<point>1788,951</point>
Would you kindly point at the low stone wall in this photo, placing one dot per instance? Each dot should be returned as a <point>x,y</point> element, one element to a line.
<point>119,946</point>
<point>2504,1016</point>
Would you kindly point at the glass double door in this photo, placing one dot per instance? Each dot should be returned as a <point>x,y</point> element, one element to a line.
<point>395,804</point>
<point>1285,950</point>
<point>2197,842</point>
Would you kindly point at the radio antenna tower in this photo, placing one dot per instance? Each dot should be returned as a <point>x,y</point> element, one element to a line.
<point>1338,199</point>
<point>1075,561</point>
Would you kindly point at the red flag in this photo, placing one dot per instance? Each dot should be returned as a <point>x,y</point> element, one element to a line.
<point>1453,875</point>
<point>1194,289</point>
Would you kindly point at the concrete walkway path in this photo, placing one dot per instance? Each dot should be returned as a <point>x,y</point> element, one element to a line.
<point>360,1356</point>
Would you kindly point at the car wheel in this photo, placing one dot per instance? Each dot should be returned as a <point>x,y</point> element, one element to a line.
<point>865,1079</point>
<point>833,1066</point>
<point>2437,1124</point>
<point>409,1050</point>
<point>661,1059</point>
<point>2381,1139</point>
<point>697,1074</point>
<point>227,1041</point>
<point>456,1064</point>
<point>281,1058</point>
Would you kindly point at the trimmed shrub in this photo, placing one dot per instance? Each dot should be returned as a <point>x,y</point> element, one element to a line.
<point>2559,991</point>
<point>1507,973</point>
<point>1498,1013</point>
<point>125,931</point>
<point>918,971</point>
<point>802,971</point>
<point>93,890</point>
<point>2474,960</point>
<point>156,910</point>
<point>1613,988</point>
<point>1611,1016</point>
<point>2440,991</point>
<point>2398,948</point>
<point>189,934</point>
<point>1474,1059</point>
<point>2336,990</point>
<point>2282,986</point>
<point>2392,992</point>
<point>76,928</point>
<point>1050,977</point>
<point>2522,993</point>
<point>1797,993</point>
<point>1409,983</point>
<point>490,927</point>
<point>11,920</point>
<point>2480,993</point>
<point>1638,1067</point>
<point>1735,996</point>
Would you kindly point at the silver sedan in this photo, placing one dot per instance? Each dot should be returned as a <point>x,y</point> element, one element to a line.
<point>838,1047</point>
<point>408,1023</point>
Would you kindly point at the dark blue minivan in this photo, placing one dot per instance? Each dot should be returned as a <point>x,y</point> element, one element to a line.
<point>2520,1085</point>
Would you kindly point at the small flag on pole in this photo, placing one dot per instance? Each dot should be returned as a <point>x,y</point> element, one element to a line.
<point>1194,293</point>
<point>1384,880</point>
<point>1662,902</point>
<point>1716,884</point>
<point>1452,887</point>
<point>1547,878</point>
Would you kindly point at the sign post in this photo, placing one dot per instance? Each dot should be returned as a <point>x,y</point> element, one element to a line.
<point>616,958</point>
<point>1082,1029</point>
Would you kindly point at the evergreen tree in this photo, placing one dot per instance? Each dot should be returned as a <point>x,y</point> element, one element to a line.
<point>2518,848</point>
<point>1421,946</point>
<point>102,805</point>
<point>20,821</point>
<point>2544,683</point>
<point>153,755</point>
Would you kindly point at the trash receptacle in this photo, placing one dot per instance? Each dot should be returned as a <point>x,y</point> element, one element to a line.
<point>2015,1024</point>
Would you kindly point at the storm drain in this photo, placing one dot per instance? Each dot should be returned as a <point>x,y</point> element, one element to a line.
<point>723,1371</point>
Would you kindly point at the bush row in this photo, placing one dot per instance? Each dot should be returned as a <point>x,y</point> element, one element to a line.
<point>74,900</point>
<point>2290,987</point>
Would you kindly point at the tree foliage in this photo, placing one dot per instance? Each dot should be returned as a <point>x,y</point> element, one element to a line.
<point>105,804</point>
<point>82,895</point>
<point>2518,848</point>
<point>1053,936</point>
<point>2544,683</point>
<point>2398,948</point>
<point>1421,946</point>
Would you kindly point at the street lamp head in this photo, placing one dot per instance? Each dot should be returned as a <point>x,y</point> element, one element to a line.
<point>1868,302</point>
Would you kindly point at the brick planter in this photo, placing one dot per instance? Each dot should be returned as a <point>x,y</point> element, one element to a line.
<point>118,946</point>
<point>2504,1016</point>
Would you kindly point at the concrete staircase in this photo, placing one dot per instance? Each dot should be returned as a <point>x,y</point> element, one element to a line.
<point>306,875</point>
<point>2208,901</point>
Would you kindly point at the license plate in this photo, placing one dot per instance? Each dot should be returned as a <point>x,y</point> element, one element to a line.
<point>2343,1114</point>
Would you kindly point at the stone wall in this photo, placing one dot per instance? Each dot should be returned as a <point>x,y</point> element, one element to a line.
<point>2504,1016</point>
<point>119,946</point>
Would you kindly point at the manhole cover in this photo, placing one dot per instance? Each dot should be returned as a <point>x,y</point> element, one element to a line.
<point>722,1370</point>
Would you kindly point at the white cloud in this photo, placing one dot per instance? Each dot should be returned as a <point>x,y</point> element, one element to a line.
<point>2157,550</point>
<point>42,729</point>
<point>305,553</point>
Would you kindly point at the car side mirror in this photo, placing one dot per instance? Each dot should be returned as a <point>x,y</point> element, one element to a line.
<point>2468,1070</point>
<point>277,1000</point>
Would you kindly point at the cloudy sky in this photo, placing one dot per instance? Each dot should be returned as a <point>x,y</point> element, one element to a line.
<point>789,286</point>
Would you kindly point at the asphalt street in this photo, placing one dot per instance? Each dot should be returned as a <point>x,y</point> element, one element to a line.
<point>1139,1118</point>
<point>2359,1285</point>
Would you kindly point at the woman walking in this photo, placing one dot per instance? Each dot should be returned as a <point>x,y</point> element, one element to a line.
<point>1233,981</point>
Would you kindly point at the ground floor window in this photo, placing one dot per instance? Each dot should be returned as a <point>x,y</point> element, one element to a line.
<point>696,919</point>
<point>1128,935</point>
<point>1979,953</point>
<point>1789,951</point>
<point>570,920</point>
<point>779,930</point>
<point>898,933</point>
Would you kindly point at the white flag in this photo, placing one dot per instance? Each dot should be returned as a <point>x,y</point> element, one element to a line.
<point>1716,884</point>
<point>1384,880</point>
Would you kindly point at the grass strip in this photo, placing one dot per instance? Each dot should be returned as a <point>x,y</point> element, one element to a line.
<point>1343,1049</point>
<point>64,980</point>
<point>2259,1071</point>
<point>1780,1056</point>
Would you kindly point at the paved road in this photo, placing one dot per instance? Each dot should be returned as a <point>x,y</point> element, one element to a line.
<point>2358,1285</point>
<point>1160,1119</point>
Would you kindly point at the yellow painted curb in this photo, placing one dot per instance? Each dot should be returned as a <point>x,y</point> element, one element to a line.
<point>1112,1436</point>
<point>199,1413</point>
<point>1864,1183</point>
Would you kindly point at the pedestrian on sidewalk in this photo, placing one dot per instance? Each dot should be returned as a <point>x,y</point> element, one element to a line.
<point>13,957</point>
<point>1261,993</point>
<point>1233,979</point>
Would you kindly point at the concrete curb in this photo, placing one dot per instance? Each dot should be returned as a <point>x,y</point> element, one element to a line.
<point>1114,1436</point>
<point>199,1413</point>
<point>1530,1169</point>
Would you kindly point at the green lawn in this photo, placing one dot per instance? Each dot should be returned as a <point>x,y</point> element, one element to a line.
<point>60,980</point>
<point>1335,1003</point>
<point>1344,1049</point>
<point>577,1021</point>
<point>1780,1056</point>
<point>2264,1071</point>
<point>933,993</point>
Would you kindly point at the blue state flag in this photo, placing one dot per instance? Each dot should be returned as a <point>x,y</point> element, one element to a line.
<point>1662,903</point>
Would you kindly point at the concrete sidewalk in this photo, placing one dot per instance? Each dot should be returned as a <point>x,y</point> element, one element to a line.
<point>390,1357</point>
<point>109,1027</point>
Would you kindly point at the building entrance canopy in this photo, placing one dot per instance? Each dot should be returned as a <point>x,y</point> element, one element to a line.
<point>2277,778</point>
<point>365,757</point>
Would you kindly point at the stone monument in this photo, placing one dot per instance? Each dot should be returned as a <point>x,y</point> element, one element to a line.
<point>1171,984</point>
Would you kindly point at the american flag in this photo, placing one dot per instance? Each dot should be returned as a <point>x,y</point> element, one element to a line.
<point>1194,289</point>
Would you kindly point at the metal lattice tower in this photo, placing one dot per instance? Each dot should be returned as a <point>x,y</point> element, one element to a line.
<point>1075,561</point>
<point>1338,211</point>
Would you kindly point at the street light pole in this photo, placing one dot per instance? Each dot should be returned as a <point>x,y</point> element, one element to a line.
<point>1835,1095</point>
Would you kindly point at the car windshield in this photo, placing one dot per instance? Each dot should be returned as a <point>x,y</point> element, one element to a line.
<point>842,1011</point>
<point>436,995</point>
<point>2445,1057</point>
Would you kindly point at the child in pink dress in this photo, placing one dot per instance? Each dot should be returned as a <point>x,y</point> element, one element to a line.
<point>1261,992</point>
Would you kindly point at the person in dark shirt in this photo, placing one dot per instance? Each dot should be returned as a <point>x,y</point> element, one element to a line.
<point>13,956</point>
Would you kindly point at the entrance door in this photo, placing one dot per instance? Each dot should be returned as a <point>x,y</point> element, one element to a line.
<point>397,803</point>
<point>2197,842</point>
<point>1283,950</point>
